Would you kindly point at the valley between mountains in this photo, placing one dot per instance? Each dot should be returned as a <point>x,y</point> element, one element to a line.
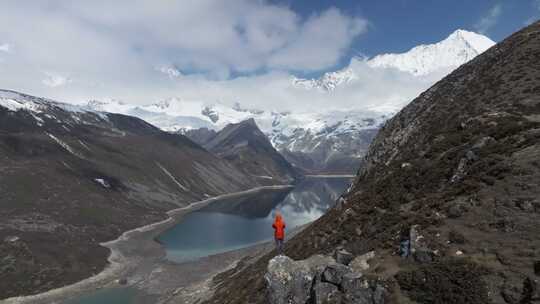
<point>458,161</point>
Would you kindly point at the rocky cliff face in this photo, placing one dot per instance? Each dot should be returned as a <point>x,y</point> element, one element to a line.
<point>72,178</point>
<point>250,150</point>
<point>459,167</point>
<point>323,280</point>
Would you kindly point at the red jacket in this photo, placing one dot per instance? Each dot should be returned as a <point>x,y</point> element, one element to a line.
<point>279,228</point>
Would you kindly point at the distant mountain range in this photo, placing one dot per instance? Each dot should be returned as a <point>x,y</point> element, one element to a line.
<point>314,141</point>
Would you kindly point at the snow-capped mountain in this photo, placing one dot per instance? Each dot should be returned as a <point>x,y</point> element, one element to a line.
<point>458,48</point>
<point>315,141</point>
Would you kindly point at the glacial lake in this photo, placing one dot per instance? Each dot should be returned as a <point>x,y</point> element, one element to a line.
<point>230,224</point>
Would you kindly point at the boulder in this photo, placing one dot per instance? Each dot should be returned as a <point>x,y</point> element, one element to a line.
<point>423,256</point>
<point>353,281</point>
<point>289,281</point>
<point>456,237</point>
<point>460,172</point>
<point>320,279</point>
<point>360,263</point>
<point>356,289</point>
<point>456,210</point>
<point>342,256</point>
<point>471,156</point>
<point>326,293</point>
<point>525,205</point>
<point>379,294</point>
<point>334,273</point>
<point>531,291</point>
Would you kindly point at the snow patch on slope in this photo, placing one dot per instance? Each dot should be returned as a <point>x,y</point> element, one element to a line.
<point>169,174</point>
<point>65,146</point>
<point>11,102</point>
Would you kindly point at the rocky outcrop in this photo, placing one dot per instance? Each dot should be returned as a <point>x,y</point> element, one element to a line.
<point>291,282</point>
<point>320,280</point>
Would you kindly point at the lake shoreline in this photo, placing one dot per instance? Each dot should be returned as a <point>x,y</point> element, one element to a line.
<point>134,254</point>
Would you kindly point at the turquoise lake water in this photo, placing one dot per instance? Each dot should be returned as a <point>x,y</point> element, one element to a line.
<point>232,224</point>
<point>225,226</point>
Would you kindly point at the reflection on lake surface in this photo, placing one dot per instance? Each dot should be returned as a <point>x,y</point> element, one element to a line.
<point>235,223</point>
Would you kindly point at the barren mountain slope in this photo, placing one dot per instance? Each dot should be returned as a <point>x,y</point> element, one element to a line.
<point>462,162</point>
<point>249,149</point>
<point>72,178</point>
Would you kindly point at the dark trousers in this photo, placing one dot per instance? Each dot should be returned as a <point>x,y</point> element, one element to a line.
<point>279,245</point>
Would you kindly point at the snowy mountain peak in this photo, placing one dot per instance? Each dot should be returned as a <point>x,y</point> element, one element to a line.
<point>457,49</point>
<point>107,105</point>
<point>446,55</point>
<point>328,82</point>
<point>479,43</point>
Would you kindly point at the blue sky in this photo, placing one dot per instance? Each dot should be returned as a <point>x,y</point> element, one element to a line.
<point>397,25</point>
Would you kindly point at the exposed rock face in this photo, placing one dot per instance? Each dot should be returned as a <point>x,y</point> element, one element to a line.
<point>291,282</point>
<point>334,273</point>
<point>490,106</point>
<point>343,256</point>
<point>326,293</point>
<point>319,279</point>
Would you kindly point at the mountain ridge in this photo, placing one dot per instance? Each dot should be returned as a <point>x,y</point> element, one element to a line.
<point>245,145</point>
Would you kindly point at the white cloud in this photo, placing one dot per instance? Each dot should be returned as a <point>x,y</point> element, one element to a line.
<point>203,36</point>
<point>6,47</point>
<point>54,80</point>
<point>114,47</point>
<point>489,20</point>
<point>320,42</point>
<point>126,49</point>
<point>170,71</point>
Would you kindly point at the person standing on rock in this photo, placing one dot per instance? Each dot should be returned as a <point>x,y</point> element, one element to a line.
<point>279,232</point>
<point>404,242</point>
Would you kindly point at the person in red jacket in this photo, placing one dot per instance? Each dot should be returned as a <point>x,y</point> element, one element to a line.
<point>279,232</point>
